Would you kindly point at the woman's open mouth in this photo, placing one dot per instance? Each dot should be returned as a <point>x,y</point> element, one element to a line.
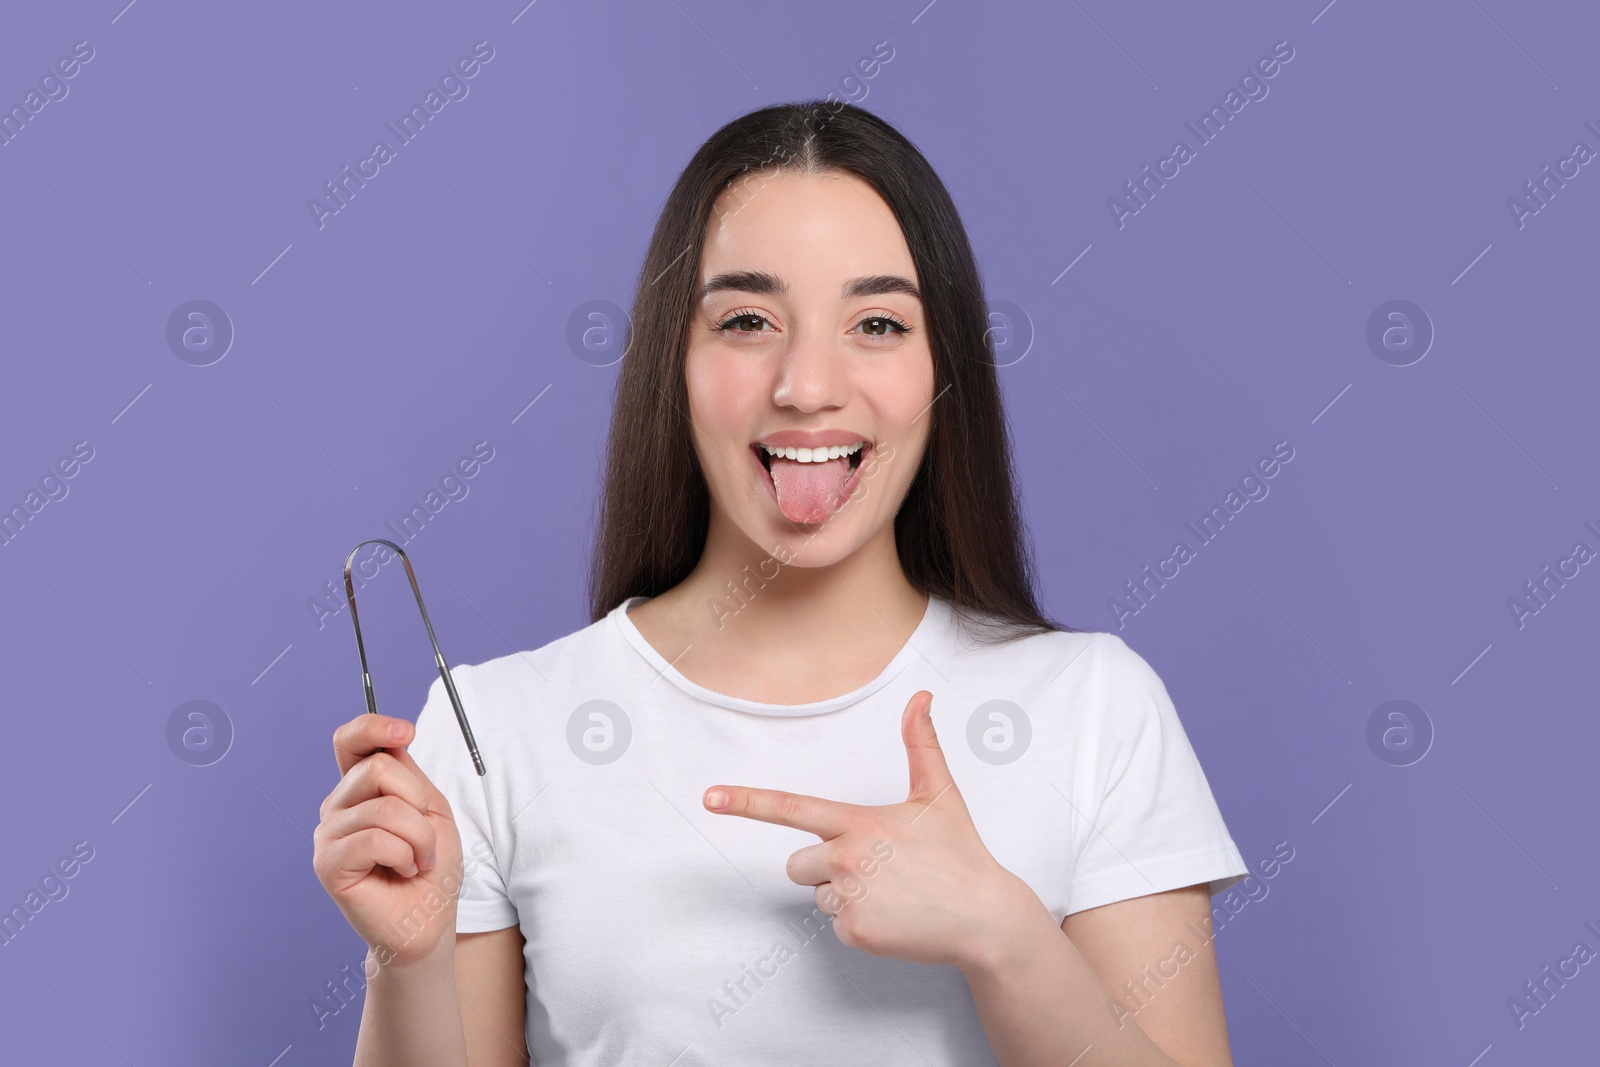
<point>810,485</point>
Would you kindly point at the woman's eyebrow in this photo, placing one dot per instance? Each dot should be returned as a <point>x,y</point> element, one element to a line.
<point>765,284</point>
<point>873,284</point>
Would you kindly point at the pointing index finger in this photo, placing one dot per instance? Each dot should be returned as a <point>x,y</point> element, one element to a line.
<point>825,818</point>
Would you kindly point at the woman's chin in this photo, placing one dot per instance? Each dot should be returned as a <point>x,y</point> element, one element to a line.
<point>763,525</point>
<point>811,547</point>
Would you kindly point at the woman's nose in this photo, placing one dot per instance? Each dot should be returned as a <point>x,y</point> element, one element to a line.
<point>813,373</point>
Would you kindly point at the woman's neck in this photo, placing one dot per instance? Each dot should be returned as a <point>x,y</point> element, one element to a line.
<point>756,625</point>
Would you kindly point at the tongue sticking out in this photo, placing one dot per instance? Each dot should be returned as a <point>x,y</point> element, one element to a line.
<point>810,492</point>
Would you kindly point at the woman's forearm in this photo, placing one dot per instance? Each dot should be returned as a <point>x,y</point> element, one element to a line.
<point>1043,1005</point>
<point>412,1017</point>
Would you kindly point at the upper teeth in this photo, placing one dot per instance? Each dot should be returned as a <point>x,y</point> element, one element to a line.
<point>815,455</point>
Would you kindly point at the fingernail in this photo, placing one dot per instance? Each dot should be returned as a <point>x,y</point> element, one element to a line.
<point>397,730</point>
<point>717,798</point>
<point>432,858</point>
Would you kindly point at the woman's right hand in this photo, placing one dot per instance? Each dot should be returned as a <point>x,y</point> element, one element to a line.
<point>387,849</point>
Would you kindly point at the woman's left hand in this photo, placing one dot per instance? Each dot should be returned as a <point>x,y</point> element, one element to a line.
<point>912,881</point>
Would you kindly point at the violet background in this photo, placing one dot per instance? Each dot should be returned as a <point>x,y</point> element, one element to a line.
<point>429,313</point>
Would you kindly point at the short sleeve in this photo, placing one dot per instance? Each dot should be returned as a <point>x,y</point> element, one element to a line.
<point>441,751</point>
<point>1157,826</point>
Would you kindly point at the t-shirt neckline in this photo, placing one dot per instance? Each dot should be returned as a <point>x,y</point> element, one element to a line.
<point>932,618</point>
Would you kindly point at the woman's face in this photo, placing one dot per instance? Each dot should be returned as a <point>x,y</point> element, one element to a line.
<point>812,339</point>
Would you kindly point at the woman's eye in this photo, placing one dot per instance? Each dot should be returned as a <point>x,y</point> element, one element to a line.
<point>881,325</point>
<point>734,323</point>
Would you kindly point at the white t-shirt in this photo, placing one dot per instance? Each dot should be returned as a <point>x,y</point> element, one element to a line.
<point>660,933</point>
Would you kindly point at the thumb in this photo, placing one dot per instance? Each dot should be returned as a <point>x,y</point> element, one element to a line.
<point>930,775</point>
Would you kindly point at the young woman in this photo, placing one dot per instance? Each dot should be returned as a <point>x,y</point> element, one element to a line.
<point>819,783</point>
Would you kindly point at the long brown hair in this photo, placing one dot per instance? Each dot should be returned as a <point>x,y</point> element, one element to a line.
<point>959,531</point>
